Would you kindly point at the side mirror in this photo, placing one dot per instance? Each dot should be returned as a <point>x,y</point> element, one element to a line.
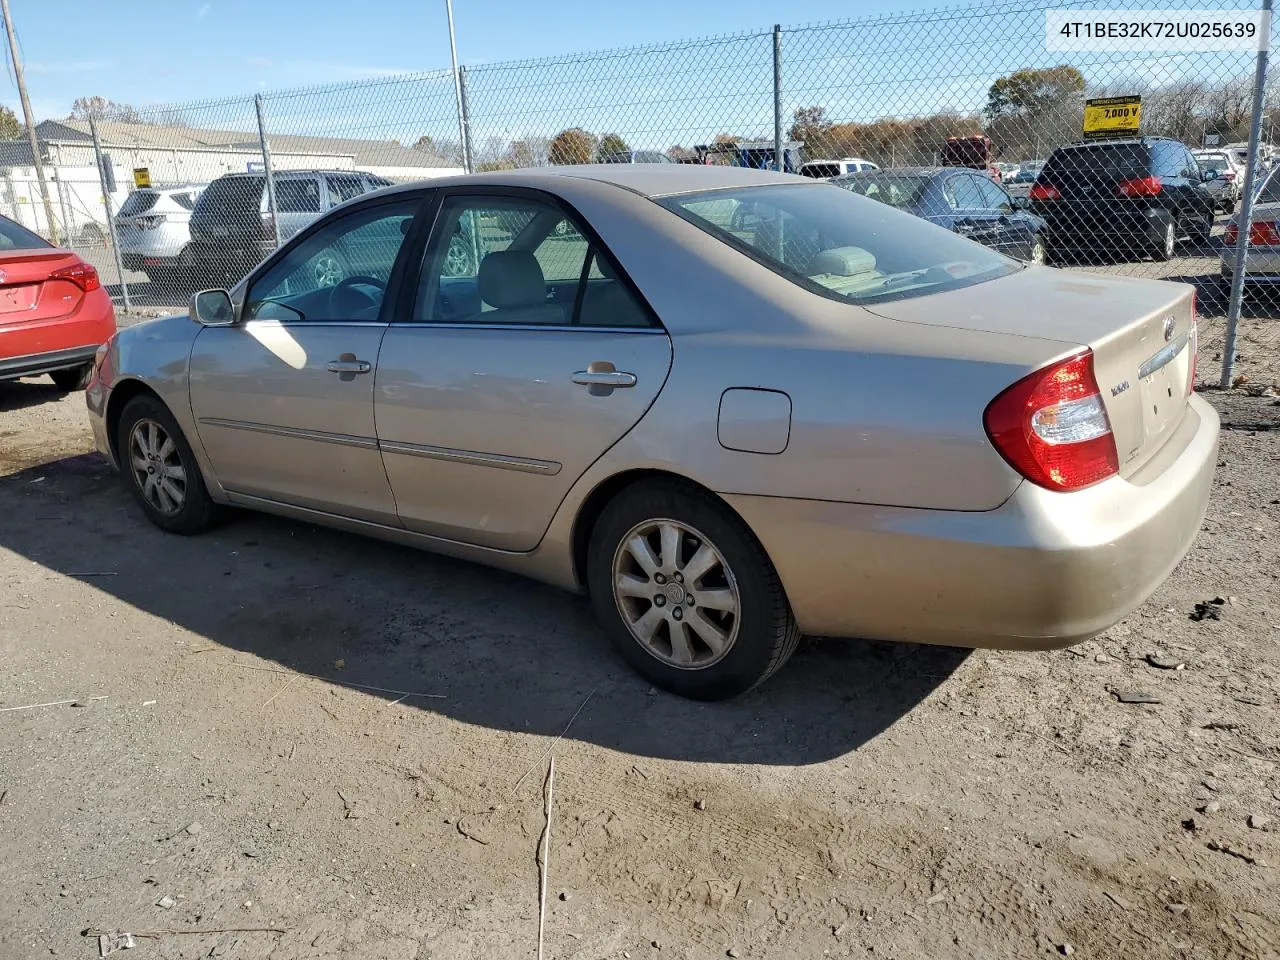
<point>212,308</point>
<point>1207,175</point>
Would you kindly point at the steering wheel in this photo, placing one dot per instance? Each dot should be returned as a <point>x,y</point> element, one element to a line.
<point>346,299</point>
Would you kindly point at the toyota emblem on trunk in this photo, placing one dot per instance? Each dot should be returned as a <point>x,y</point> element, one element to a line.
<point>1168,328</point>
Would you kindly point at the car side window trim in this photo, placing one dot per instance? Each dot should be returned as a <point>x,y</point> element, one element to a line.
<point>427,236</point>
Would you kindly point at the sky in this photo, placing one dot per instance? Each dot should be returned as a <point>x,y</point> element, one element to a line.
<point>163,51</point>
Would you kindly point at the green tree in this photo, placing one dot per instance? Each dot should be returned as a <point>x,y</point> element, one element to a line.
<point>1032,92</point>
<point>574,145</point>
<point>10,128</point>
<point>611,144</point>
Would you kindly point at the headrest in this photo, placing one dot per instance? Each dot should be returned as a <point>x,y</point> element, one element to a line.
<point>511,278</point>
<point>843,262</point>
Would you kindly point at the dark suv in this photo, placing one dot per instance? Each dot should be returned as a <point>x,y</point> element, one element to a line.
<point>1133,198</point>
<point>232,229</point>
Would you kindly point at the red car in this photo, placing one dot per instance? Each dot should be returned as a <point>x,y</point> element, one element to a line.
<point>54,312</point>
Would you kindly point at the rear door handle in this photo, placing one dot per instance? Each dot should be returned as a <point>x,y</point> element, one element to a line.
<point>604,378</point>
<point>348,366</point>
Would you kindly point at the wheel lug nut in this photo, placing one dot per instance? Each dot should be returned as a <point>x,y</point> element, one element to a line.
<point>659,578</point>
<point>677,614</point>
<point>689,599</point>
<point>679,578</point>
<point>660,600</point>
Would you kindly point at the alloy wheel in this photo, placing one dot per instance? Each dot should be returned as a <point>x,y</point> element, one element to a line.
<point>157,468</point>
<point>1170,236</point>
<point>1037,252</point>
<point>676,593</point>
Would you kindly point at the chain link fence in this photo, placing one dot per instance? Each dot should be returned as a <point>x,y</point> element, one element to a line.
<point>962,116</point>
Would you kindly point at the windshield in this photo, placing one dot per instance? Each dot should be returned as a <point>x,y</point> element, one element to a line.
<point>838,244</point>
<point>1269,192</point>
<point>896,191</point>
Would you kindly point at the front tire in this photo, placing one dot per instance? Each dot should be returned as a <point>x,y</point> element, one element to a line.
<point>73,379</point>
<point>687,593</point>
<point>159,469</point>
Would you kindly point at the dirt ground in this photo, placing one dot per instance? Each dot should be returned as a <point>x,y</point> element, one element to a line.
<point>231,762</point>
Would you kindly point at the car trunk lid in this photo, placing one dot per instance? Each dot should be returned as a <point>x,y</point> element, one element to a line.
<point>28,292</point>
<point>1140,331</point>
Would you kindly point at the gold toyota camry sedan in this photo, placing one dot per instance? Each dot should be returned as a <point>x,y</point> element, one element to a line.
<point>730,406</point>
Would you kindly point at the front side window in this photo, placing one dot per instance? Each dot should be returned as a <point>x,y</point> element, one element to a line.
<point>338,273</point>
<point>521,262</point>
<point>839,245</point>
<point>298,195</point>
<point>964,194</point>
<point>993,195</point>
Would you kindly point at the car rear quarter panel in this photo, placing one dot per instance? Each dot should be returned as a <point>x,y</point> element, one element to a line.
<point>883,412</point>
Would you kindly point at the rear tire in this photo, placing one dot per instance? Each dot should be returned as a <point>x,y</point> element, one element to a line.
<point>1163,250</point>
<point>160,470</point>
<point>75,378</point>
<point>686,593</point>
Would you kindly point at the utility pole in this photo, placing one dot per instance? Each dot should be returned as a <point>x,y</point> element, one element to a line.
<point>30,120</point>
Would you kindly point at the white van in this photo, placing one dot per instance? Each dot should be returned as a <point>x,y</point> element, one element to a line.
<point>826,169</point>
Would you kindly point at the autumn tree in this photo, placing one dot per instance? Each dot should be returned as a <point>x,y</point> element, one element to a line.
<point>571,146</point>
<point>100,108</point>
<point>529,152</point>
<point>10,128</point>
<point>611,145</point>
<point>811,127</point>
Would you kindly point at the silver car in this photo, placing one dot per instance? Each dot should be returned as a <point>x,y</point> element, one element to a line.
<point>153,229</point>
<point>732,406</point>
<point>1262,254</point>
<point>1225,177</point>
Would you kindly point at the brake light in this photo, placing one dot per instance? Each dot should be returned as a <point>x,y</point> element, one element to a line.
<point>1051,426</point>
<point>1263,233</point>
<point>1044,191</point>
<point>81,274</point>
<point>1228,174</point>
<point>1140,187</point>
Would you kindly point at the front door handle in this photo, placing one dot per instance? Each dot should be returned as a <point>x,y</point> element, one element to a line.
<point>349,365</point>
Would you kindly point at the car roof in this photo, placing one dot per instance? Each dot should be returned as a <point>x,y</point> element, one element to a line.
<point>904,172</point>
<point>646,179</point>
<point>294,173</point>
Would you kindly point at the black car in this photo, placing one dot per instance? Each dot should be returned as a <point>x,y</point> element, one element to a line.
<point>1133,198</point>
<point>964,201</point>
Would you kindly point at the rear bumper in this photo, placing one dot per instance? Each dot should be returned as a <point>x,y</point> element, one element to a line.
<point>1262,264</point>
<point>1102,227</point>
<point>35,364</point>
<point>1042,570</point>
<point>228,260</point>
<point>38,346</point>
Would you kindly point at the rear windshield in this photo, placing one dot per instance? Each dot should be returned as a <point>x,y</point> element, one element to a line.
<point>140,201</point>
<point>1213,161</point>
<point>15,237</point>
<point>820,170</point>
<point>185,200</point>
<point>1269,192</point>
<point>237,195</point>
<point>1102,161</point>
<point>896,191</point>
<point>840,245</point>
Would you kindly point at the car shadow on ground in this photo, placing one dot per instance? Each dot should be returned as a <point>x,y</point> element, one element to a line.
<point>503,652</point>
<point>29,392</point>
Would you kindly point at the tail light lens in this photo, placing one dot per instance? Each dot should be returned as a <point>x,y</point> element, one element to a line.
<point>81,274</point>
<point>1044,191</point>
<point>1140,187</point>
<point>1228,175</point>
<point>1263,233</point>
<point>1051,426</point>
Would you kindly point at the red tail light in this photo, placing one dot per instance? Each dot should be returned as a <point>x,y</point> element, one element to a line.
<point>81,274</point>
<point>1228,175</point>
<point>1052,427</point>
<point>1044,191</point>
<point>1140,187</point>
<point>1264,233</point>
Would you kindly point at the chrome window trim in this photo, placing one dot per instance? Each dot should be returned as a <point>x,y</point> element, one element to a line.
<point>557,327</point>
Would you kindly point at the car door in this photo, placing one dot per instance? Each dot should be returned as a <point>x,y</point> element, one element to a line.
<point>1012,232</point>
<point>283,399</point>
<point>526,356</point>
<point>970,217</point>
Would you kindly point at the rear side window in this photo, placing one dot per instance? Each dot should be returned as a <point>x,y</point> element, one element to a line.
<point>1166,159</point>
<point>838,245</point>
<point>1103,161</point>
<point>821,170</point>
<point>16,237</point>
<point>231,197</point>
<point>140,201</point>
<point>298,195</point>
<point>185,200</point>
<point>345,188</point>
